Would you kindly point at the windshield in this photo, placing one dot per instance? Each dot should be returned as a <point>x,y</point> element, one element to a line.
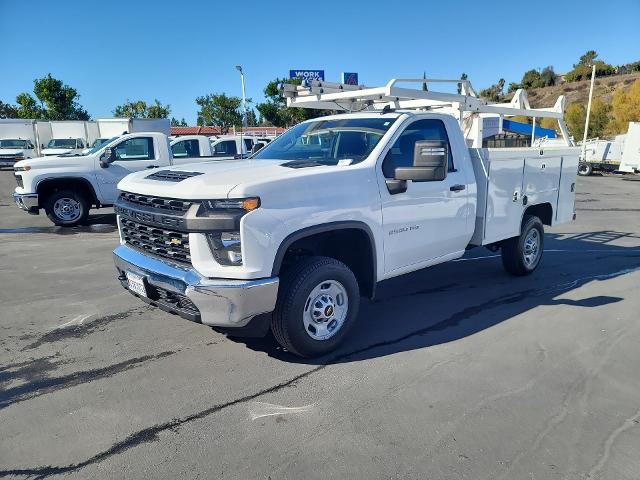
<point>62,143</point>
<point>97,146</point>
<point>328,141</point>
<point>13,143</point>
<point>100,141</point>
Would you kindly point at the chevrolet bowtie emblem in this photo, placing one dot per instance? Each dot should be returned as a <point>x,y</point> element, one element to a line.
<point>175,241</point>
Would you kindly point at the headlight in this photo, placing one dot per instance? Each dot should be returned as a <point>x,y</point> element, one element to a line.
<point>25,168</point>
<point>226,245</point>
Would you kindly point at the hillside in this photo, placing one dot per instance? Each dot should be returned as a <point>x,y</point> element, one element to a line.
<point>578,92</point>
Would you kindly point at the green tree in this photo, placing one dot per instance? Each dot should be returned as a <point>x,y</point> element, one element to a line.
<point>625,108</point>
<point>54,101</point>
<point>532,79</point>
<point>219,110</point>
<point>176,123</point>
<point>7,110</point>
<point>140,109</point>
<point>274,110</point>
<point>576,115</point>
<point>548,76</point>
<point>252,119</point>
<point>582,69</point>
<point>587,59</point>
<point>494,93</point>
<point>28,107</point>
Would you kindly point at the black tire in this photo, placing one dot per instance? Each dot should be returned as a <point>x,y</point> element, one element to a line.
<point>76,199</point>
<point>296,285</point>
<point>585,169</point>
<point>513,250</point>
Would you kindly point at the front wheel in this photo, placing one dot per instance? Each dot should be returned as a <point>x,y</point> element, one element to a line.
<point>67,208</point>
<point>521,255</point>
<point>585,169</point>
<point>318,302</point>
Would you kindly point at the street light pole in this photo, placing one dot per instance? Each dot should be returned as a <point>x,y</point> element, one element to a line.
<point>244,108</point>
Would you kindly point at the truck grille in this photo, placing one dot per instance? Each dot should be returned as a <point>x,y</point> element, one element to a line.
<point>158,241</point>
<point>156,202</point>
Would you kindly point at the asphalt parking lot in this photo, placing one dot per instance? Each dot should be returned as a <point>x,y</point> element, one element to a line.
<point>458,371</point>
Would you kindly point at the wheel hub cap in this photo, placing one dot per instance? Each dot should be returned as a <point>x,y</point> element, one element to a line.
<point>532,247</point>
<point>325,310</point>
<point>67,209</point>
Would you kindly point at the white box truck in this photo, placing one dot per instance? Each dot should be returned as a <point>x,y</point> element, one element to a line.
<point>112,127</point>
<point>20,139</point>
<point>630,161</point>
<point>291,238</point>
<point>67,137</point>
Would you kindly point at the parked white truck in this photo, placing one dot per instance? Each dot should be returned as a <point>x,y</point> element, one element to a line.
<point>68,137</point>
<point>20,139</point>
<point>291,238</point>
<point>67,186</point>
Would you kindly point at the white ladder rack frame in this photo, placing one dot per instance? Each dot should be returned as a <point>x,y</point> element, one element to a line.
<point>355,98</point>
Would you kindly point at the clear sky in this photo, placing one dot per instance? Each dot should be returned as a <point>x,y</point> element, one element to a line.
<point>176,51</point>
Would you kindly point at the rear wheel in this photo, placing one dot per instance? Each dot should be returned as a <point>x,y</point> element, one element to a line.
<point>521,255</point>
<point>67,208</point>
<point>318,302</point>
<point>585,169</point>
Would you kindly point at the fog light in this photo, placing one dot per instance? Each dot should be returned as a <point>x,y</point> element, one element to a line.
<point>226,247</point>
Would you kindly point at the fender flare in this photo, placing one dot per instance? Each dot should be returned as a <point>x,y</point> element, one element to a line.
<point>83,180</point>
<point>323,228</point>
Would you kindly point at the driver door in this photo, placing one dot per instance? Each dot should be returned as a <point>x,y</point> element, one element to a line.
<point>132,155</point>
<point>429,219</point>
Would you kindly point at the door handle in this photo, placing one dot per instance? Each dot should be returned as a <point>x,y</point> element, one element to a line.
<point>457,188</point>
<point>153,166</point>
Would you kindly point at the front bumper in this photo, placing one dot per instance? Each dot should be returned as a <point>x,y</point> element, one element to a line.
<point>181,290</point>
<point>26,201</point>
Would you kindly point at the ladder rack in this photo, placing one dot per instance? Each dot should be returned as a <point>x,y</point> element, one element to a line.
<point>357,98</point>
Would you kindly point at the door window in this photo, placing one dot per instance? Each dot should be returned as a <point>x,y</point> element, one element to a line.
<point>401,154</point>
<point>140,148</point>
<point>186,148</point>
<point>225,148</point>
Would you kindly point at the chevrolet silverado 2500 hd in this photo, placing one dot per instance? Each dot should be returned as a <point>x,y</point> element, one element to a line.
<point>291,238</point>
<point>67,186</point>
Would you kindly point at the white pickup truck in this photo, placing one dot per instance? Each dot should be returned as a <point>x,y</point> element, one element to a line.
<point>67,186</point>
<point>291,238</point>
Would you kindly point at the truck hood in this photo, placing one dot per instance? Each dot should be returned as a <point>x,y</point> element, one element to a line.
<point>56,151</point>
<point>5,152</point>
<point>214,179</point>
<point>54,161</point>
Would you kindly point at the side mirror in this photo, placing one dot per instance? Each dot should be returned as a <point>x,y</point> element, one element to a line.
<point>107,157</point>
<point>430,162</point>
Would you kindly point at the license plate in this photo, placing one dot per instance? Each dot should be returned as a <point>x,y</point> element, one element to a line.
<point>136,284</point>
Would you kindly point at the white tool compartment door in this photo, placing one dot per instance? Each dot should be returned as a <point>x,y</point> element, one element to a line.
<point>541,179</point>
<point>567,193</point>
<point>503,212</point>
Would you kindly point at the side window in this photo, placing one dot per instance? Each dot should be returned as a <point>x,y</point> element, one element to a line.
<point>248,143</point>
<point>140,148</point>
<point>225,148</point>
<point>186,148</point>
<point>401,153</point>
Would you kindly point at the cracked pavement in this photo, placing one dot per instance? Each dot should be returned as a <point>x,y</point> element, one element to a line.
<point>457,371</point>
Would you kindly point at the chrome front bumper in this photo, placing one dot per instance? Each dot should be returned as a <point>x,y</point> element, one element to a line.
<point>26,201</point>
<point>218,302</point>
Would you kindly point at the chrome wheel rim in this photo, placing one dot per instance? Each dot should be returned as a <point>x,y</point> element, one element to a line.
<point>67,209</point>
<point>583,168</point>
<point>325,310</point>
<point>532,247</point>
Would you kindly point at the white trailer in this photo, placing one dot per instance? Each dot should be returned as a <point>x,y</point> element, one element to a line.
<point>20,139</point>
<point>630,161</point>
<point>113,127</point>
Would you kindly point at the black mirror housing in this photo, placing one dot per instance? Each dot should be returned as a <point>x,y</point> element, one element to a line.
<point>430,162</point>
<point>107,157</point>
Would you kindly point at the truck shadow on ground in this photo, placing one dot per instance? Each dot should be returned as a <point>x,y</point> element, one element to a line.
<point>97,223</point>
<point>451,301</point>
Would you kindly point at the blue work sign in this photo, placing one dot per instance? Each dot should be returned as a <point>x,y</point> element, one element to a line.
<point>350,78</point>
<point>307,74</point>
